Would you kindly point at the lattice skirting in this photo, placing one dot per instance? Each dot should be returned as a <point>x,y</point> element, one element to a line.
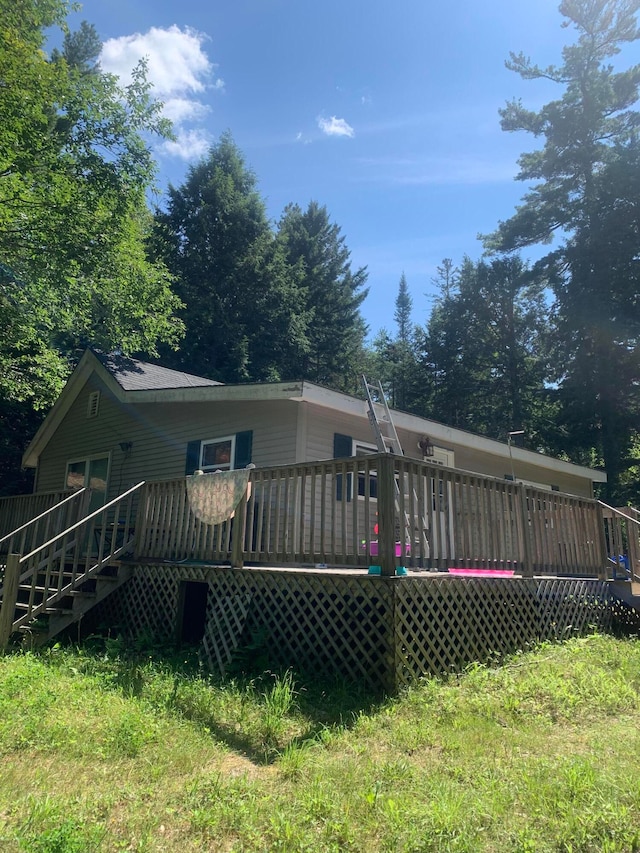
<point>625,620</point>
<point>380,632</point>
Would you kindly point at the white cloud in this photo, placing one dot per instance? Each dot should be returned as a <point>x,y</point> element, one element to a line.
<point>177,62</point>
<point>180,110</point>
<point>335,127</point>
<point>188,144</point>
<point>180,72</point>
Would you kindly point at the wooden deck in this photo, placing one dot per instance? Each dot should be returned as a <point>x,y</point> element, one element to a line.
<point>341,566</point>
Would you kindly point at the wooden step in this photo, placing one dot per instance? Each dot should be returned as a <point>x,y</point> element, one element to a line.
<point>58,611</point>
<point>34,628</point>
<point>626,591</point>
<point>40,589</point>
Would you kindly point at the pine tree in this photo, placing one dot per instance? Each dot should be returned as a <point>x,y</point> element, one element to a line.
<point>244,311</point>
<point>333,296</point>
<point>584,197</point>
<point>403,353</point>
<point>486,348</point>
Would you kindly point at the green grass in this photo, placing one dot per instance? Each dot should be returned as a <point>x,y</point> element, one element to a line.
<point>101,751</point>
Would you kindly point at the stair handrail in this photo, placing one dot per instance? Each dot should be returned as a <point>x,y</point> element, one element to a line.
<point>42,515</point>
<point>634,556</point>
<point>54,594</point>
<point>83,521</point>
<point>619,512</point>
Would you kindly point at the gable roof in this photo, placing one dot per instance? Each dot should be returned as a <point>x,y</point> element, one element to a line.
<point>134,381</point>
<point>134,375</point>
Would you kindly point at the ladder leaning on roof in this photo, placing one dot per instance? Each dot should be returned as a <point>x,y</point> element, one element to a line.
<point>393,442</point>
<point>388,442</point>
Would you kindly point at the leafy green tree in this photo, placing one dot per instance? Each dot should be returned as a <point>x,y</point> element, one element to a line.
<point>583,200</point>
<point>333,296</point>
<point>244,308</point>
<point>74,169</point>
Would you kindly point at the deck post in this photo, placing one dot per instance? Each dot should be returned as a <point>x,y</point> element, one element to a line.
<point>601,545</point>
<point>527,563</point>
<point>387,515</point>
<point>140,523</point>
<point>9,598</point>
<point>237,533</point>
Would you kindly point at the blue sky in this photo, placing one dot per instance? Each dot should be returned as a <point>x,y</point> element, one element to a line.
<point>385,112</point>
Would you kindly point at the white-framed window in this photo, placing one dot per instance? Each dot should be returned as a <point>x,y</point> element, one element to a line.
<point>443,457</point>
<point>363,448</point>
<point>547,487</point>
<point>92,473</point>
<point>217,454</point>
<point>223,453</point>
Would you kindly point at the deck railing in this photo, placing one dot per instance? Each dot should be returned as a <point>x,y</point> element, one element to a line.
<point>17,510</point>
<point>622,540</point>
<point>38,530</point>
<point>381,510</point>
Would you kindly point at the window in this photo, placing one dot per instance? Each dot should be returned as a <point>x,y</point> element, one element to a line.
<point>218,454</point>
<point>361,448</point>
<point>227,453</point>
<point>533,484</point>
<point>92,473</point>
<point>443,457</point>
<point>93,404</point>
<point>344,445</point>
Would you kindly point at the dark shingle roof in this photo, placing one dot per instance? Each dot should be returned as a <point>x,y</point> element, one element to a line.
<point>134,375</point>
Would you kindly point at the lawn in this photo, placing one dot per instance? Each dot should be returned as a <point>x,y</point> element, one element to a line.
<point>110,750</point>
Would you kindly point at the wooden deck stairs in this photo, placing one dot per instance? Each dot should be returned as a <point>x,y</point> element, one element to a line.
<point>622,538</point>
<point>627,591</point>
<point>69,609</point>
<point>60,580</point>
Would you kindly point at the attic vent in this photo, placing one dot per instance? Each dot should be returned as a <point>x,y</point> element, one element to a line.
<point>93,404</point>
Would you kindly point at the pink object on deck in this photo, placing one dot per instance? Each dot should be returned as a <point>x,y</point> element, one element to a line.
<point>482,573</point>
<point>373,549</point>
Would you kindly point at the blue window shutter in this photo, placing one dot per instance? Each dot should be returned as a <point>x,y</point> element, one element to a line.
<point>244,446</point>
<point>342,446</point>
<point>193,457</point>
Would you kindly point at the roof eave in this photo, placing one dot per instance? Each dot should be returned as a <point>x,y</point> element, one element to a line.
<point>219,393</point>
<point>338,401</point>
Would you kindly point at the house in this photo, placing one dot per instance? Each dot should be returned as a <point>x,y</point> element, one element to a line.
<point>318,556</point>
<point>119,421</point>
